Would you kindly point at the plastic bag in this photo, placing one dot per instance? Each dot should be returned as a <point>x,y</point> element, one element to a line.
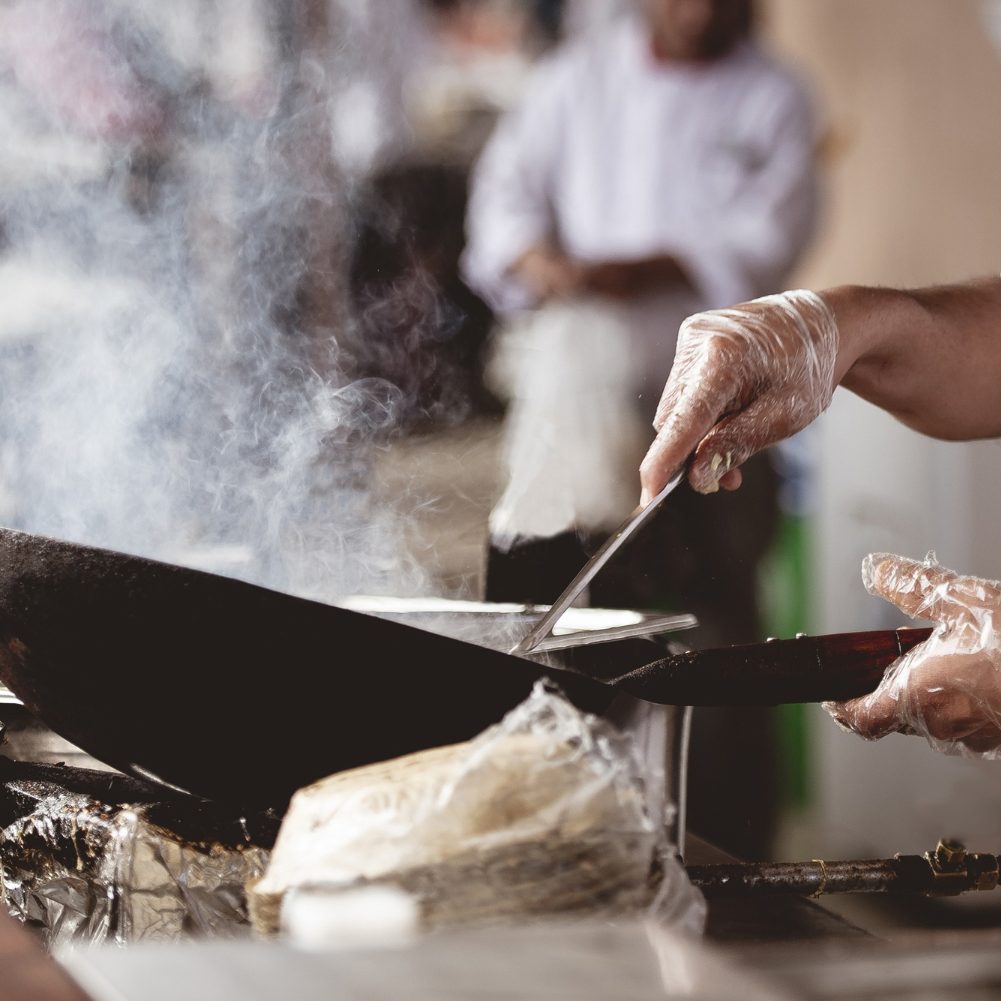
<point>545,815</point>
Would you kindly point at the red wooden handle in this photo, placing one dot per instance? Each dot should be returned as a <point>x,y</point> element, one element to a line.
<point>806,669</point>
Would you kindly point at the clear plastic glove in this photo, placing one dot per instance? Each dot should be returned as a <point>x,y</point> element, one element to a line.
<point>743,378</point>
<point>947,689</point>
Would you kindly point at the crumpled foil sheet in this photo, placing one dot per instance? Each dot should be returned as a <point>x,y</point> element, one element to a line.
<point>84,871</point>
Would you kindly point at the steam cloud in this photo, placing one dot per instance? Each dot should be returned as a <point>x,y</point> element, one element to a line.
<point>175,341</point>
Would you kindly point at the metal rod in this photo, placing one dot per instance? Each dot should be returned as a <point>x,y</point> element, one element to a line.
<point>928,874</point>
<point>590,570</point>
<point>808,878</point>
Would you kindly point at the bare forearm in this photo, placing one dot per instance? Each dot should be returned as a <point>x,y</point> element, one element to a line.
<point>931,357</point>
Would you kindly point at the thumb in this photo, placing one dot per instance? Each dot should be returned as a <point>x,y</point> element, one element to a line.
<point>871,716</point>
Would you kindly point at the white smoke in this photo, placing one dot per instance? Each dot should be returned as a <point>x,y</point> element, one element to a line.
<point>174,325</point>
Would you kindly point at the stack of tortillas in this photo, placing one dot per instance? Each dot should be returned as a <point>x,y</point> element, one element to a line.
<point>482,832</point>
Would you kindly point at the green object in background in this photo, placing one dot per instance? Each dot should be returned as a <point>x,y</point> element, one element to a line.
<point>785,610</point>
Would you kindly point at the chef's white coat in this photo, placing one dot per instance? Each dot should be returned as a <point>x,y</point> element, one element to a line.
<point>618,156</point>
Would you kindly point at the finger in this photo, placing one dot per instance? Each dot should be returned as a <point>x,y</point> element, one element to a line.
<point>698,367</point>
<point>698,394</point>
<point>678,438</point>
<point>925,590</point>
<point>871,716</point>
<point>735,439</point>
<point>731,480</point>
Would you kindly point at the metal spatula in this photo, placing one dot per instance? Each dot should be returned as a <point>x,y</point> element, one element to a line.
<point>613,544</point>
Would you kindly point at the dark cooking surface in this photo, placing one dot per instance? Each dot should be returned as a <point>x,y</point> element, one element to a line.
<point>230,690</point>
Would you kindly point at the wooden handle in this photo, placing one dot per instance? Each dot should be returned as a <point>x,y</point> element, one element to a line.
<point>806,669</point>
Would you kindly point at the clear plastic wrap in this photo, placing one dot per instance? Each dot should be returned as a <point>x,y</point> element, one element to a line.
<point>548,814</point>
<point>947,689</point>
<point>86,872</point>
<point>743,378</point>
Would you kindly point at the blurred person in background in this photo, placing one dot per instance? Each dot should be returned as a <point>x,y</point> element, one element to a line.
<point>653,169</point>
<point>750,375</point>
<point>649,171</point>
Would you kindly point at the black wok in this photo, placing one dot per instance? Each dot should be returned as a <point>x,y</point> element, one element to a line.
<point>229,690</point>
<point>243,694</point>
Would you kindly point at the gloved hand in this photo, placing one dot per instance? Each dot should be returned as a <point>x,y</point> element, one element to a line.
<point>743,378</point>
<point>948,689</point>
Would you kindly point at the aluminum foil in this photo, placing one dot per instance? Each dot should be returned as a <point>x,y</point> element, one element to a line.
<point>83,871</point>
